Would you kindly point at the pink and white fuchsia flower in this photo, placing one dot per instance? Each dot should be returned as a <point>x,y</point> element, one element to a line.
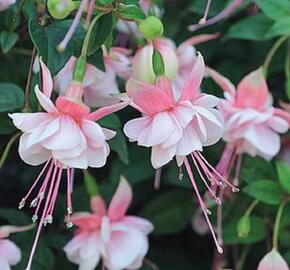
<point>252,124</point>
<point>178,127</point>
<point>63,137</point>
<point>120,241</point>
<point>10,254</point>
<point>99,86</point>
<point>5,4</point>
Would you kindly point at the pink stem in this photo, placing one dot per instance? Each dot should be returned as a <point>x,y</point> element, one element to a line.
<point>74,25</point>
<point>90,12</point>
<point>157,179</point>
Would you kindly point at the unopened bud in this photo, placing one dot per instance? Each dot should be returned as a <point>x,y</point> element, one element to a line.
<point>244,226</point>
<point>60,9</point>
<point>151,28</point>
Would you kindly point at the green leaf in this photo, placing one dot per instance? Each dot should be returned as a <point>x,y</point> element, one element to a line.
<point>119,145</point>
<point>111,121</point>
<point>97,59</point>
<point>131,13</point>
<point>265,191</point>
<point>279,28</point>
<point>47,38</point>
<point>8,40</point>
<point>283,170</point>
<point>250,28</point>
<point>274,9</point>
<point>257,232</point>
<point>15,217</point>
<point>11,97</point>
<point>170,212</point>
<point>101,32</point>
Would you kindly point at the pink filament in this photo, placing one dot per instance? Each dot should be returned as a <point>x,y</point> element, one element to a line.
<point>201,202</point>
<point>203,20</point>
<point>73,26</point>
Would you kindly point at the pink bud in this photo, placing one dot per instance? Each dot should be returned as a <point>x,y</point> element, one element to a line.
<point>142,61</point>
<point>273,261</point>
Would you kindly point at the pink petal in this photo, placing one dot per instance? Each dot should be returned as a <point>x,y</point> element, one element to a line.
<point>222,81</point>
<point>273,261</point>
<point>125,246</point>
<point>5,231</point>
<point>98,205</point>
<point>3,262</point>
<point>134,127</point>
<point>86,221</point>
<point>93,132</point>
<point>161,156</point>
<point>191,88</point>
<point>195,40</point>
<point>141,224</point>
<point>10,252</point>
<point>278,124</point>
<point>44,101</point>
<point>104,111</point>
<point>252,91</point>
<point>283,114</point>
<point>149,97</point>
<point>97,157</point>
<point>165,85</point>
<point>47,84</point>
<point>120,201</point>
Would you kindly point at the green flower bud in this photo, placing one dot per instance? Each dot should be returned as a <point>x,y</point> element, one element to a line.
<point>244,226</point>
<point>60,9</point>
<point>158,63</point>
<point>151,28</point>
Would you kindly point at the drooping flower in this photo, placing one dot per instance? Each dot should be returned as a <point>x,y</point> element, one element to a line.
<point>273,261</point>
<point>119,240</point>
<point>63,137</point>
<point>5,4</point>
<point>10,254</point>
<point>178,126</point>
<point>252,124</point>
<point>178,61</point>
<point>99,86</point>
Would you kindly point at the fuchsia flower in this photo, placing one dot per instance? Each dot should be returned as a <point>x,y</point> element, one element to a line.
<point>178,127</point>
<point>273,261</point>
<point>99,86</point>
<point>178,61</point>
<point>63,137</point>
<point>10,254</point>
<point>5,4</point>
<point>252,124</point>
<point>121,241</point>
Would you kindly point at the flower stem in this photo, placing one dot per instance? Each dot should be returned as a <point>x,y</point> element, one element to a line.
<point>287,62</point>
<point>89,32</point>
<point>251,207</point>
<point>277,224</point>
<point>28,84</point>
<point>7,149</point>
<point>272,52</point>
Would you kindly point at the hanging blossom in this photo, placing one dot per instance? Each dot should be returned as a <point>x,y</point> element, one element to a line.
<point>178,127</point>
<point>10,254</point>
<point>99,86</point>
<point>5,4</point>
<point>63,137</point>
<point>273,261</point>
<point>119,240</point>
<point>178,61</point>
<point>252,124</point>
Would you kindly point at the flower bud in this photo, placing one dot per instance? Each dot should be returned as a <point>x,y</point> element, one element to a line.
<point>60,9</point>
<point>151,28</point>
<point>244,226</point>
<point>273,260</point>
<point>143,61</point>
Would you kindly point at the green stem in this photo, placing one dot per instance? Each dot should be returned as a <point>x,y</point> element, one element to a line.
<point>7,148</point>
<point>287,62</point>
<point>272,52</point>
<point>251,207</point>
<point>277,224</point>
<point>88,34</point>
<point>242,260</point>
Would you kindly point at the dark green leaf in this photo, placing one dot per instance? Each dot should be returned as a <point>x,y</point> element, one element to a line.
<point>279,28</point>
<point>274,9</point>
<point>101,32</point>
<point>257,232</point>
<point>97,59</point>
<point>283,170</point>
<point>131,13</point>
<point>15,217</point>
<point>6,125</point>
<point>8,40</point>
<point>11,97</point>
<point>47,38</point>
<point>250,28</point>
<point>119,145</point>
<point>265,191</point>
<point>170,212</point>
